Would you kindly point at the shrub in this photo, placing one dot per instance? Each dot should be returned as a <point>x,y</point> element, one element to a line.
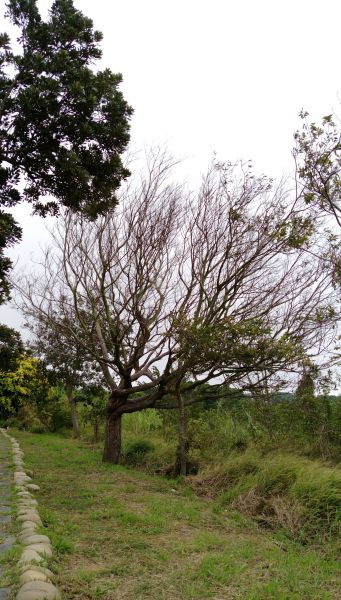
<point>60,418</point>
<point>136,452</point>
<point>37,426</point>
<point>12,422</point>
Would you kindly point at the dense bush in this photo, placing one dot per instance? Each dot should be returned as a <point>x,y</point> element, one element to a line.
<point>309,425</point>
<point>136,452</point>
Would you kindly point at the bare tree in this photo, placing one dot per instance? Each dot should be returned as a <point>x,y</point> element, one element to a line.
<point>172,286</point>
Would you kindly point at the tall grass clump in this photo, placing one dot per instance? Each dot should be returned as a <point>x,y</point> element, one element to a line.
<point>318,488</point>
<point>280,491</point>
<point>142,423</point>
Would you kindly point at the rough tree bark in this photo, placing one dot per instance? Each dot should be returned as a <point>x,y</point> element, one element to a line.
<point>112,439</point>
<point>112,434</point>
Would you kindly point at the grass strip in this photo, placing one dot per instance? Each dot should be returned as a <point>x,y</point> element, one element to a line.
<point>120,534</point>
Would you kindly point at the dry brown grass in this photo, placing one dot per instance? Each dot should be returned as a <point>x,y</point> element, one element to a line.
<point>275,512</point>
<point>214,480</point>
<point>287,513</point>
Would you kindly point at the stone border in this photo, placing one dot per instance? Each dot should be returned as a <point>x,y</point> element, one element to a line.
<point>36,581</point>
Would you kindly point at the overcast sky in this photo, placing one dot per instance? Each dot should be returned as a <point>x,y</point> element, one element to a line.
<point>214,77</point>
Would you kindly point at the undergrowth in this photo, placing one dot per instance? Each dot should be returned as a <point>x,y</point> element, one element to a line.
<point>246,470</point>
<point>280,491</point>
<point>277,463</point>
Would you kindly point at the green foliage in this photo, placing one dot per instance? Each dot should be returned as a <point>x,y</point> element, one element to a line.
<point>68,123</point>
<point>318,161</point>
<point>305,424</point>
<point>11,347</point>
<point>10,233</point>
<point>28,401</point>
<point>69,364</point>
<point>34,426</point>
<point>63,125</point>
<point>216,427</point>
<point>243,344</point>
<point>25,386</point>
<point>136,452</point>
<point>93,400</point>
<point>143,423</point>
<point>149,426</point>
<point>55,412</point>
<point>297,231</point>
<point>228,421</point>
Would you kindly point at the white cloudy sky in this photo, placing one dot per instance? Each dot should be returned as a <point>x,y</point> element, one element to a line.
<point>219,76</point>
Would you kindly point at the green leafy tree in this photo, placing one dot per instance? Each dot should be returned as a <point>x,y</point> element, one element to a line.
<point>24,388</point>
<point>318,164</point>
<point>309,418</point>
<point>306,384</point>
<point>93,399</point>
<point>11,347</point>
<point>63,126</point>
<point>10,233</point>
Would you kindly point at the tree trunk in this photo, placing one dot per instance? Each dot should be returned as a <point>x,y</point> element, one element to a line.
<point>73,408</point>
<point>112,439</point>
<point>182,435</point>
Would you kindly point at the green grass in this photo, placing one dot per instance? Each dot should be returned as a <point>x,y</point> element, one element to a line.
<point>120,534</point>
<point>283,491</point>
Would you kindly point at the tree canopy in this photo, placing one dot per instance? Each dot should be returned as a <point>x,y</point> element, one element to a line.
<point>26,385</point>
<point>63,125</point>
<point>11,347</point>
<point>318,164</point>
<point>173,287</point>
<point>67,362</point>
